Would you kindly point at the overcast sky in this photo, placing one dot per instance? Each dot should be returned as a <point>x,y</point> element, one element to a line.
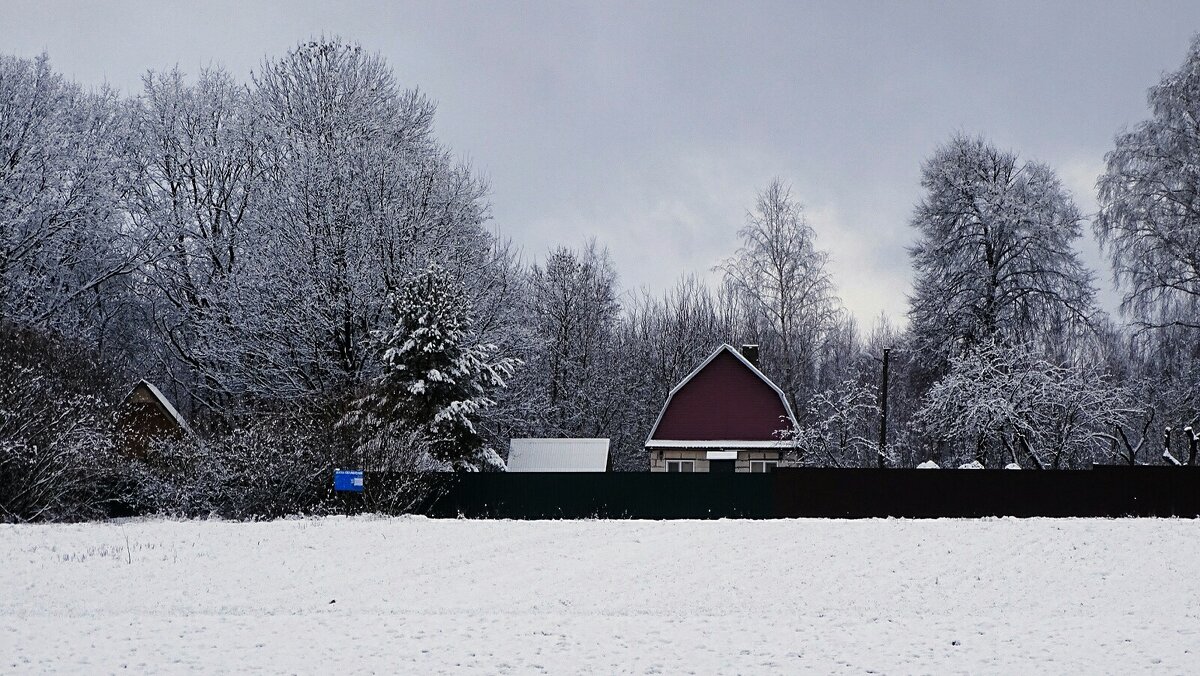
<point>650,126</point>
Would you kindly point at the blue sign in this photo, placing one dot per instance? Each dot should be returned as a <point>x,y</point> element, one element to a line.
<point>348,480</point>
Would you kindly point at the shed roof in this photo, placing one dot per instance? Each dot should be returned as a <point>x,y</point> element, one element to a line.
<point>726,402</point>
<point>164,404</point>
<point>558,455</point>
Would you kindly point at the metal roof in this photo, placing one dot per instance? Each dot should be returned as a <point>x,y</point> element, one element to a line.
<point>558,455</point>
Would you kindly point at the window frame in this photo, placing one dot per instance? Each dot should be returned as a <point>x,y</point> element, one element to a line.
<point>680,463</point>
<point>764,464</point>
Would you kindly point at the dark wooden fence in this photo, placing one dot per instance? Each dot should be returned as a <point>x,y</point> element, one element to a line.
<point>789,493</point>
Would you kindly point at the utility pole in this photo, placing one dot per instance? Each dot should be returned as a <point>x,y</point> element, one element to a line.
<point>883,396</point>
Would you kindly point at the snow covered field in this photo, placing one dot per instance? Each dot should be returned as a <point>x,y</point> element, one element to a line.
<point>410,595</point>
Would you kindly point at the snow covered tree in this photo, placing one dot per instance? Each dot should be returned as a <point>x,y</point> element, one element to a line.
<point>63,247</point>
<point>193,148</point>
<point>838,426</point>
<point>1003,404</point>
<point>668,335</point>
<point>574,314</point>
<point>1149,221</point>
<point>661,339</point>
<point>359,194</point>
<point>1149,226</point>
<point>785,286</point>
<point>433,376</point>
<point>994,257</point>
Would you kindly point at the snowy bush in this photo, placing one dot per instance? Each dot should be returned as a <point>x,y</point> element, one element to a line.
<point>72,477</point>
<point>272,467</point>
<point>57,459</point>
<point>831,435</point>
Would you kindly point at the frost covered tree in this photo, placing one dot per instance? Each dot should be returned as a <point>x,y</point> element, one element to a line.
<point>785,287</point>
<point>1149,226</point>
<point>193,150</point>
<point>668,335</point>
<point>1149,221</point>
<point>434,377</point>
<point>994,257</point>
<point>1002,404</point>
<point>574,313</point>
<point>837,426</point>
<point>661,339</point>
<point>64,251</point>
<point>357,194</point>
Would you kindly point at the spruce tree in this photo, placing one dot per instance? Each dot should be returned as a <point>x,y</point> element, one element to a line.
<point>434,378</point>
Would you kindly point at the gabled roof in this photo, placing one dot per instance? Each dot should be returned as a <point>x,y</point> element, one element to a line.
<point>558,455</point>
<point>725,348</point>
<point>163,403</point>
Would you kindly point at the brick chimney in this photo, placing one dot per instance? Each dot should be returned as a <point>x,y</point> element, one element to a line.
<point>750,352</point>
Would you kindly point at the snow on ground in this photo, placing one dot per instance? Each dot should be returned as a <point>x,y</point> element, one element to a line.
<point>411,595</point>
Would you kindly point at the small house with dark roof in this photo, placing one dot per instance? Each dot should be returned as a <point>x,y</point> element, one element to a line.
<point>147,416</point>
<point>725,416</point>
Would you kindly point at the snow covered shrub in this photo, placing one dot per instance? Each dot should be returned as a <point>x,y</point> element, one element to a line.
<point>57,460</point>
<point>434,381</point>
<point>72,476</point>
<point>269,468</point>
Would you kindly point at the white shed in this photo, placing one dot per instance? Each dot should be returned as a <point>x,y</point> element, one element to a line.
<point>558,455</point>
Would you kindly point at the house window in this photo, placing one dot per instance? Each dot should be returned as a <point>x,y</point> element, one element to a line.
<point>760,466</point>
<point>681,466</point>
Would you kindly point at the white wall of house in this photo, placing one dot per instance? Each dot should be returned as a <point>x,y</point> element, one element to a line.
<point>660,459</point>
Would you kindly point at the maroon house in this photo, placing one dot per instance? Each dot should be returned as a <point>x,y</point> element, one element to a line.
<point>726,416</point>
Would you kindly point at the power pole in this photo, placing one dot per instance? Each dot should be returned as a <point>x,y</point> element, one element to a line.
<point>883,396</point>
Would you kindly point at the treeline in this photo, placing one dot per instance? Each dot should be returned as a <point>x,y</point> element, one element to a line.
<point>297,257</point>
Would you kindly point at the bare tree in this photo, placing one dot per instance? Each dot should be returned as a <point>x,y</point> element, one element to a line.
<point>785,285</point>
<point>574,309</point>
<point>670,334</point>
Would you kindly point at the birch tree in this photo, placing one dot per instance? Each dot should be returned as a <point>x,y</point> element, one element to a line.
<point>785,285</point>
<point>1149,220</point>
